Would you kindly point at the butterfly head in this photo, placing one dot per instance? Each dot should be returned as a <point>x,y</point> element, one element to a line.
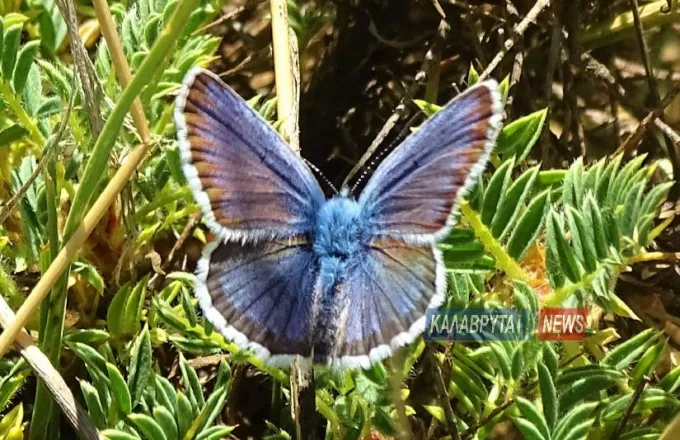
<point>339,230</point>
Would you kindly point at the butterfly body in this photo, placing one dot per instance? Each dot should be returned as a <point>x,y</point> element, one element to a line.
<point>340,281</point>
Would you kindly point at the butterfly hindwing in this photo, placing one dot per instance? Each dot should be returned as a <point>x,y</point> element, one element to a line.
<point>388,289</point>
<point>261,295</point>
<point>248,181</point>
<point>414,191</point>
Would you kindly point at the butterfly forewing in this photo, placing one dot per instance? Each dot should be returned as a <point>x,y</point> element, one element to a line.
<point>249,182</point>
<point>414,191</point>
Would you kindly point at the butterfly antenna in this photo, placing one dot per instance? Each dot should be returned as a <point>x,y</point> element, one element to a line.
<point>378,157</point>
<point>318,171</point>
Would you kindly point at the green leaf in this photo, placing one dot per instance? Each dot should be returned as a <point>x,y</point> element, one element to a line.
<point>115,313</point>
<point>548,396</point>
<point>511,202</point>
<point>192,386</point>
<point>11,134</point>
<point>558,246</point>
<point>607,178</point>
<point>52,26</point>
<point>91,275</point>
<point>166,420</point>
<point>165,393</point>
<point>593,220</point>
<point>573,184</point>
<point>473,76</point>
<point>121,393</point>
<point>528,430</point>
<point>577,415</point>
<point>94,405</point>
<point>580,431</point>
<point>23,65</point>
<point>95,362</point>
<point>132,313</point>
<point>427,108</point>
<point>641,434</point>
<point>115,434</point>
<point>468,381</point>
<point>2,35</point>
<point>533,416</point>
<point>550,359</point>
<point>495,190</point>
<point>528,226</point>
<point>502,358</point>
<point>650,398</point>
<point>582,238</point>
<point>184,414</point>
<point>584,389</point>
<point>86,336</point>
<point>148,426</point>
<point>216,433</point>
<point>624,354</point>
<point>570,375</point>
<point>671,381</point>
<point>213,407</point>
<point>517,362</point>
<point>50,107</point>
<point>140,366</point>
<point>520,136</point>
<point>648,362</point>
<point>10,51</point>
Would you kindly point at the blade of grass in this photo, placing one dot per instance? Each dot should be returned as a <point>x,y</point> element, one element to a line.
<point>78,226</point>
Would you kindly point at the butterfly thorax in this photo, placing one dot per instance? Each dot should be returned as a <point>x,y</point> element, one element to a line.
<point>339,231</point>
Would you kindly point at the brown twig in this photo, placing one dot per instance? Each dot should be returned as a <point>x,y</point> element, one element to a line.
<point>517,33</point>
<point>470,432</point>
<point>644,51</point>
<point>445,401</point>
<point>42,367</point>
<point>629,410</point>
<point>632,141</point>
<point>83,65</point>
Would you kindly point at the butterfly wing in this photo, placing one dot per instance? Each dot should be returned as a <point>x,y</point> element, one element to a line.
<point>414,191</point>
<point>407,206</point>
<point>388,289</point>
<point>248,181</point>
<point>261,295</point>
<point>257,281</point>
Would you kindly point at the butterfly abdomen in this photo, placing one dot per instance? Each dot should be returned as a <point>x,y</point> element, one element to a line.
<point>339,240</point>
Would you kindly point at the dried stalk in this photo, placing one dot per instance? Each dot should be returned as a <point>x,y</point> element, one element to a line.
<point>74,413</point>
<point>108,26</point>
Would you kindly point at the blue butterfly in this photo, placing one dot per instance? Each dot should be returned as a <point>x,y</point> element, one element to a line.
<point>340,282</point>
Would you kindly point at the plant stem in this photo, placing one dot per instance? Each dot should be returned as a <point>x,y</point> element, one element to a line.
<point>78,228</point>
<point>623,25</point>
<point>283,67</point>
<point>504,261</point>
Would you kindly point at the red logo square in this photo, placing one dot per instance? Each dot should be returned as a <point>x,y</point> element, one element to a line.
<point>562,324</point>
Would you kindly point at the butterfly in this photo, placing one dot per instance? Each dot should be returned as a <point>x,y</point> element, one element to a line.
<point>341,282</point>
